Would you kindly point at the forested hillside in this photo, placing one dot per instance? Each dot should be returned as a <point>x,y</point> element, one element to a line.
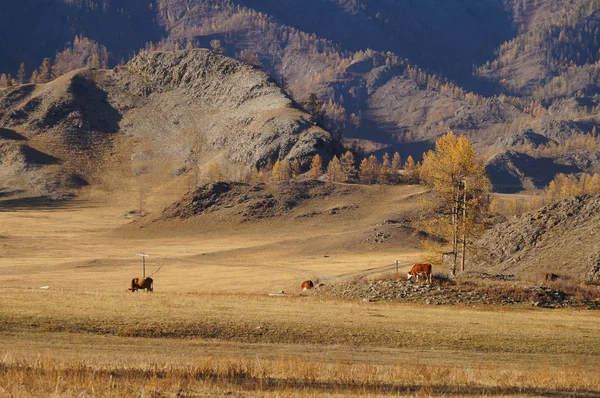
<point>35,29</point>
<point>394,73</point>
<point>555,54</point>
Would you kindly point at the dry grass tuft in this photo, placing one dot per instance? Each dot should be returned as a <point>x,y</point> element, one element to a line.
<point>285,377</point>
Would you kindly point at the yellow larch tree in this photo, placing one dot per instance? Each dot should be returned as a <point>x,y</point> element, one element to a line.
<point>348,168</point>
<point>296,168</point>
<point>334,170</point>
<point>461,189</point>
<point>214,173</point>
<point>316,167</point>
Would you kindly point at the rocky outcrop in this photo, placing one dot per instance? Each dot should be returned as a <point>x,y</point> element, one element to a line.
<point>473,292</point>
<point>525,138</point>
<point>561,238</point>
<point>236,107</point>
<point>248,202</point>
<point>177,111</point>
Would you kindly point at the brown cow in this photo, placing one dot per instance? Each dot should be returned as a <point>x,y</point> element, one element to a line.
<point>420,269</point>
<point>307,285</point>
<point>140,284</point>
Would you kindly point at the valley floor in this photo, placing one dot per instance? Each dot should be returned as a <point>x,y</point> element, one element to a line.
<point>210,328</point>
<point>162,344</point>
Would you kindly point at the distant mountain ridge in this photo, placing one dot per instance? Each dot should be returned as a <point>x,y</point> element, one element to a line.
<point>535,60</point>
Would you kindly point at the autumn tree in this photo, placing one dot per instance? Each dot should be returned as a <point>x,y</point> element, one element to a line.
<point>591,184</point>
<point>316,167</point>
<point>285,170</point>
<point>564,186</point>
<point>347,163</point>
<point>82,53</point>
<point>410,169</point>
<point>282,171</point>
<point>34,77</point>
<point>257,175</point>
<point>214,173</point>
<point>368,170</point>
<point>334,170</point>
<point>396,162</point>
<point>21,74</point>
<point>386,174</point>
<point>215,45</point>
<point>460,188</point>
<point>248,57</point>
<point>275,172</point>
<point>44,74</point>
<point>296,168</point>
<point>315,108</point>
<point>94,61</point>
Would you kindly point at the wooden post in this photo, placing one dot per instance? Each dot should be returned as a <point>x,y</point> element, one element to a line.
<point>143,255</point>
<point>396,267</point>
<point>140,215</point>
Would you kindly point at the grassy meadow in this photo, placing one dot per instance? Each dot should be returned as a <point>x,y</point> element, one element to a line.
<point>211,328</point>
<point>164,344</point>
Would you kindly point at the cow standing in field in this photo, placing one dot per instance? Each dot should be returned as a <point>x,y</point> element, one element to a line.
<point>307,285</point>
<point>420,269</point>
<point>141,283</point>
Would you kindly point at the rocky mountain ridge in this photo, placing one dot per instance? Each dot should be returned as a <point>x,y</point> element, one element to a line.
<point>368,80</point>
<point>171,113</point>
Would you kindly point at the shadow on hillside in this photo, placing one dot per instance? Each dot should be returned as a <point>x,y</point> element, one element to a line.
<point>8,134</point>
<point>32,203</point>
<point>415,149</point>
<point>4,193</point>
<point>33,156</point>
<point>511,171</point>
<point>94,105</point>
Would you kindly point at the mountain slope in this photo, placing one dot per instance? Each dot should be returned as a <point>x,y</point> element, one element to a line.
<point>34,29</point>
<point>558,39</point>
<point>561,238</point>
<point>425,32</point>
<point>163,113</point>
<point>367,87</point>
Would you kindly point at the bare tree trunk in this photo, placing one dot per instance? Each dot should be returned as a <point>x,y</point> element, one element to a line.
<point>464,232</point>
<point>454,231</point>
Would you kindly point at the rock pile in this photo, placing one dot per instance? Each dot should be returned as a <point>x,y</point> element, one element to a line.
<point>465,294</point>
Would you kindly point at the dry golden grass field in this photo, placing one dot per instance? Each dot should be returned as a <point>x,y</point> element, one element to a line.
<point>210,328</point>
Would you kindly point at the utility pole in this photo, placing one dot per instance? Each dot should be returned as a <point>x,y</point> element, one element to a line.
<point>143,255</point>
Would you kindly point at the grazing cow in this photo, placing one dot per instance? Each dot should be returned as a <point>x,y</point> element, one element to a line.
<point>307,285</point>
<point>420,269</point>
<point>552,277</point>
<point>140,284</point>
